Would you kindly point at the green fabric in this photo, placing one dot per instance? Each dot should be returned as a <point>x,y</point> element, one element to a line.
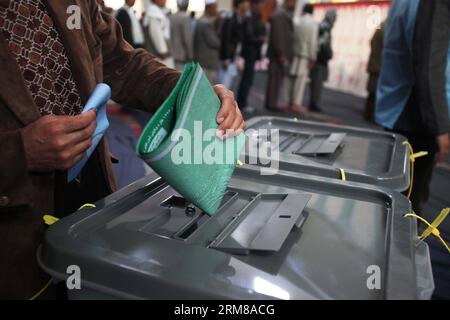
<point>198,179</point>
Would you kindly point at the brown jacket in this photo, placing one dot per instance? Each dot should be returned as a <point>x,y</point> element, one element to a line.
<point>97,53</point>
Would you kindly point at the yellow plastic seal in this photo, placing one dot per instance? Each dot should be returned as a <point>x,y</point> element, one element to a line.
<point>432,227</point>
<point>412,157</point>
<point>343,176</point>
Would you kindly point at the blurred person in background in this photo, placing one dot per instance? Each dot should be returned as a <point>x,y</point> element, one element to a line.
<point>374,68</point>
<point>320,71</point>
<point>306,35</point>
<point>231,33</point>
<point>181,35</point>
<point>279,51</point>
<point>411,94</point>
<point>104,8</point>
<point>193,21</point>
<point>157,31</point>
<point>253,38</point>
<point>131,27</point>
<point>207,41</point>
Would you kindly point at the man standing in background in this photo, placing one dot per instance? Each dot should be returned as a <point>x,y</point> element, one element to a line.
<point>231,36</point>
<point>306,34</point>
<point>374,68</point>
<point>320,71</point>
<point>411,94</point>
<point>207,41</point>
<point>253,39</point>
<point>131,28</point>
<point>181,35</point>
<point>279,51</point>
<point>157,26</point>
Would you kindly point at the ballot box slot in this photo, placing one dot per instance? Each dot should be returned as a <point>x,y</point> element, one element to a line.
<point>321,144</point>
<point>264,224</point>
<point>302,143</point>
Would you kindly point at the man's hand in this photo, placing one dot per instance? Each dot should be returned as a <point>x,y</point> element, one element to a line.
<point>444,147</point>
<point>229,117</point>
<point>57,142</point>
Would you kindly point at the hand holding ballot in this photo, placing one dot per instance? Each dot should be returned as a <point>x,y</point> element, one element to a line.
<point>186,141</point>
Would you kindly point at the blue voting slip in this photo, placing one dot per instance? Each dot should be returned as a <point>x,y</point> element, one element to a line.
<point>96,102</point>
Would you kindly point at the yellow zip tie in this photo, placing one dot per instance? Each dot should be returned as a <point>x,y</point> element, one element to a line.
<point>86,205</point>
<point>412,157</point>
<point>49,219</point>
<point>436,223</point>
<point>343,176</point>
<point>432,228</point>
<point>36,295</point>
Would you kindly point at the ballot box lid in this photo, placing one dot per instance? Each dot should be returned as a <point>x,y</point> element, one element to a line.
<point>274,237</point>
<point>368,156</point>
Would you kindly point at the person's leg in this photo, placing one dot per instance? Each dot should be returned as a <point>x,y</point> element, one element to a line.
<point>246,82</point>
<point>287,90</point>
<point>313,87</point>
<point>298,91</point>
<point>275,74</point>
<point>423,169</point>
<point>316,86</point>
<point>369,111</point>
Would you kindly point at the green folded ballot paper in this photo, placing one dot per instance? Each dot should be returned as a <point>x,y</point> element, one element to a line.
<point>180,144</point>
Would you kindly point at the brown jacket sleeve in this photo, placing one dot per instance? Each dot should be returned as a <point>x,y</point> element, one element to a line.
<point>15,184</point>
<point>137,79</point>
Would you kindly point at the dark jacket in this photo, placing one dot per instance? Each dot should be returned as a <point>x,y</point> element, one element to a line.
<point>231,36</point>
<point>281,36</point>
<point>254,33</point>
<point>125,22</point>
<point>325,53</point>
<point>97,53</point>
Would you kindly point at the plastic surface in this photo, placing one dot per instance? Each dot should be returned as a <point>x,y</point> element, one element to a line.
<point>366,156</point>
<point>143,242</point>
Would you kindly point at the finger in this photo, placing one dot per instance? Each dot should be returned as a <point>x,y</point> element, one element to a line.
<point>67,159</point>
<point>228,122</point>
<point>80,149</point>
<point>227,102</point>
<point>226,108</point>
<point>229,106</point>
<point>233,131</point>
<point>79,122</point>
<point>81,135</point>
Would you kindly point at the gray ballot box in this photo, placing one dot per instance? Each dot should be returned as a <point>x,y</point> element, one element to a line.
<point>274,237</point>
<point>367,156</point>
